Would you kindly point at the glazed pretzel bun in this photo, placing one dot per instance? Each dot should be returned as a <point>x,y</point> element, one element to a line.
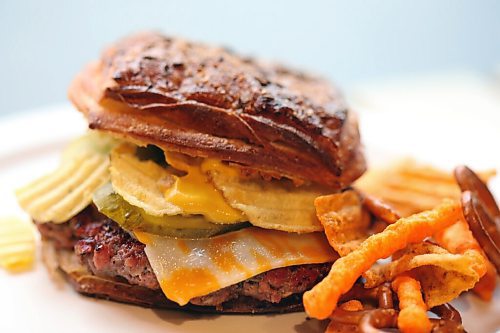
<point>208,102</point>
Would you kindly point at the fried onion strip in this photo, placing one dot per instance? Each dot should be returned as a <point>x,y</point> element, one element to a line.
<point>320,301</point>
<point>458,238</point>
<point>485,287</point>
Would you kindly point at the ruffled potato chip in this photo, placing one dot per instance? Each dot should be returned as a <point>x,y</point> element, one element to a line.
<point>92,143</point>
<point>272,205</point>
<point>344,220</point>
<point>141,183</point>
<point>442,275</point>
<point>17,244</point>
<point>411,187</point>
<point>268,204</point>
<point>63,193</point>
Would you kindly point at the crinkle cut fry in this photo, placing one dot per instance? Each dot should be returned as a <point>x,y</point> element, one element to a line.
<point>411,187</point>
<point>412,309</point>
<point>320,301</point>
<point>458,238</point>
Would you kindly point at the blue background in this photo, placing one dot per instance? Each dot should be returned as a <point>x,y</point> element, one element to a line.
<point>43,44</point>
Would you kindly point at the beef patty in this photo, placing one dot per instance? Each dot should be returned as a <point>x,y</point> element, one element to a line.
<point>108,251</point>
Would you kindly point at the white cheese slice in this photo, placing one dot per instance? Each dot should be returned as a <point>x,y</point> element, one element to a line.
<point>191,268</point>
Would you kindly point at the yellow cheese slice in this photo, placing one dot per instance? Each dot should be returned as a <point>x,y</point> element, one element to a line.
<point>195,194</point>
<point>192,268</point>
<point>163,191</point>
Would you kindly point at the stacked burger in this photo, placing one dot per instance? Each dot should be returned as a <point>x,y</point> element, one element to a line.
<point>195,184</point>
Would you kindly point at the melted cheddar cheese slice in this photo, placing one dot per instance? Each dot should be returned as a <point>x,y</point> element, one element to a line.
<point>190,268</point>
<point>195,194</point>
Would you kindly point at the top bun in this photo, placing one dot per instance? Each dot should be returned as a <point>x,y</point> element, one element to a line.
<point>209,102</point>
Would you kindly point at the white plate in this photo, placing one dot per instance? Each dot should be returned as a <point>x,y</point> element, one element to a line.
<point>32,302</point>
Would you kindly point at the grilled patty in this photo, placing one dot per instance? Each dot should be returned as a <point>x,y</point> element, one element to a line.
<point>110,252</point>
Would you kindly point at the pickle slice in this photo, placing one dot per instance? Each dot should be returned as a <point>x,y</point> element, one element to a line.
<point>133,218</point>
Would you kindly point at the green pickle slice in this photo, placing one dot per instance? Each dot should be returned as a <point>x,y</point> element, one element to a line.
<point>133,218</point>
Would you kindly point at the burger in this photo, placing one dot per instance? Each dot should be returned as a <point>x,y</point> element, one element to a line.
<point>194,186</point>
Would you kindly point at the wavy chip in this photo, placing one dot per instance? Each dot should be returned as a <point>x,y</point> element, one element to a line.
<point>17,244</point>
<point>344,220</point>
<point>64,192</point>
<point>442,275</point>
<point>92,143</point>
<point>411,187</point>
<point>141,183</point>
<point>273,204</point>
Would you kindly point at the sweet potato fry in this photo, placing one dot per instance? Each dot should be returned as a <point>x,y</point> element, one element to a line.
<point>412,309</point>
<point>320,301</point>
